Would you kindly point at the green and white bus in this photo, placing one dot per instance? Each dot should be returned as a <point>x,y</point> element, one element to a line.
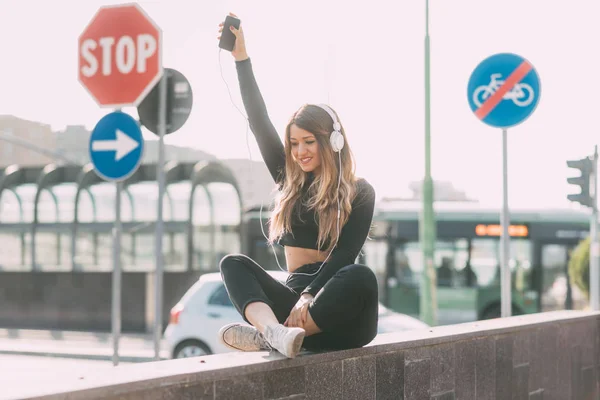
<point>467,258</point>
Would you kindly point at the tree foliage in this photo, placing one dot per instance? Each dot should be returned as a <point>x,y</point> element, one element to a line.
<point>579,266</point>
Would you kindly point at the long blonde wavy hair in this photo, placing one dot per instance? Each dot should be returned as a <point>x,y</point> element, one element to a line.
<point>322,192</point>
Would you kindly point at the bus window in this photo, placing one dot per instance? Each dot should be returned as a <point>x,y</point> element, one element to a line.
<point>555,283</point>
<point>485,261</point>
<point>409,263</point>
<point>520,264</point>
<point>554,280</point>
<point>450,260</point>
<point>374,252</point>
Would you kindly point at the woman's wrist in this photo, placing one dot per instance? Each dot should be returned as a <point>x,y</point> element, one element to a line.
<point>241,57</point>
<point>307,296</point>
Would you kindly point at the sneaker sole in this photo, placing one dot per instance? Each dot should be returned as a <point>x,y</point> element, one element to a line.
<point>297,344</point>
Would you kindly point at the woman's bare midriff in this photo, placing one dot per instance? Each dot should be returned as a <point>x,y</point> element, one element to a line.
<point>298,256</point>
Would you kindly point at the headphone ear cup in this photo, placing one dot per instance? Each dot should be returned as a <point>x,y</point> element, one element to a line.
<point>337,141</point>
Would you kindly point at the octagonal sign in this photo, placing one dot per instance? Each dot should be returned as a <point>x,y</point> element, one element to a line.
<point>120,56</point>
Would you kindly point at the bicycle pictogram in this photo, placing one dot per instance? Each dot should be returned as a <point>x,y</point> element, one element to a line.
<point>521,94</point>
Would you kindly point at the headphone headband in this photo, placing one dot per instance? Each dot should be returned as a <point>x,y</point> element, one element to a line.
<point>336,138</point>
<point>336,124</point>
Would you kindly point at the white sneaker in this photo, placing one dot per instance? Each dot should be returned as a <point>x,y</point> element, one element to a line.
<point>288,341</point>
<point>243,337</point>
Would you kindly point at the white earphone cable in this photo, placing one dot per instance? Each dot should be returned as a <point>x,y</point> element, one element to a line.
<point>250,155</point>
<point>261,203</point>
<point>338,220</point>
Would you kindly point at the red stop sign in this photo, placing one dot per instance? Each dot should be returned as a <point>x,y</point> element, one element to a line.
<point>120,56</point>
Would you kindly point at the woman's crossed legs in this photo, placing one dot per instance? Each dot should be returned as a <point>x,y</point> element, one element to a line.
<point>342,315</point>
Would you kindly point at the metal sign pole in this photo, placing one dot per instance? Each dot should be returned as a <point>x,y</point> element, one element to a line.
<point>118,133</point>
<point>488,88</point>
<point>116,276</point>
<point>160,174</point>
<point>594,245</point>
<point>505,294</point>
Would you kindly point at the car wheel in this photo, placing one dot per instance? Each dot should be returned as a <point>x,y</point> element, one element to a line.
<point>191,348</point>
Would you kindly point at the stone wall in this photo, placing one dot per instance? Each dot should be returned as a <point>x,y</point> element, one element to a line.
<point>81,301</point>
<point>541,356</point>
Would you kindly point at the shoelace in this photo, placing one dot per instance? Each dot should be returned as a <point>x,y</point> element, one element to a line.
<point>261,339</point>
<point>241,338</point>
<point>277,334</point>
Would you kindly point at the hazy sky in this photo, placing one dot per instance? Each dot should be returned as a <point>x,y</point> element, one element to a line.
<point>367,58</point>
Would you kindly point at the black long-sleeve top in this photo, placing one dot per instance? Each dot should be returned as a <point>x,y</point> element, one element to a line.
<point>304,226</point>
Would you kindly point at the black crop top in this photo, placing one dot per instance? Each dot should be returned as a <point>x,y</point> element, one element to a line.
<point>305,230</point>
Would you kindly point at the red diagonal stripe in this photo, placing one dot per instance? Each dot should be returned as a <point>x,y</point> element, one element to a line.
<point>511,81</point>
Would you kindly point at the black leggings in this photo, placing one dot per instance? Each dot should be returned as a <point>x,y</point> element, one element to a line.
<point>345,309</point>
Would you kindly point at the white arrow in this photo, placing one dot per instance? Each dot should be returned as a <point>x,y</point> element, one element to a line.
<point>122,145</point>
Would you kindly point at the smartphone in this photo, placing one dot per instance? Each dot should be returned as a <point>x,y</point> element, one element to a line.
<point>227,37</point>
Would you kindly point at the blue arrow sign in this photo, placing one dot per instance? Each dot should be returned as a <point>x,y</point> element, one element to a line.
<point>116,146</point>
<point>504,90</point>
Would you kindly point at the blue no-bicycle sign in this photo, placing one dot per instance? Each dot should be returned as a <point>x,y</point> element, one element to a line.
<point>504,90</point>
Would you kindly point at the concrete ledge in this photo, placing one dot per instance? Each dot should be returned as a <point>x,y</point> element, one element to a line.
<point>549,355</point>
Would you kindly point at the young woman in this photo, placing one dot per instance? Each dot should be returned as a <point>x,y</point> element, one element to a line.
<point>322,217</point>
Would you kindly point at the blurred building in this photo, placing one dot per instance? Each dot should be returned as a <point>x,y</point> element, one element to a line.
<point>442,191</point>
<point>256,183</point>
<point>253,177</point>
<point>72,142</point>
<point>30,132</point>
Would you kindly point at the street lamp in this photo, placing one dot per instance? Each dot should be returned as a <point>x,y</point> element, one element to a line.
<point>428,298</point>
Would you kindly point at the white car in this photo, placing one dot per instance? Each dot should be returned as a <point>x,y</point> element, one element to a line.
<point>205,307</point>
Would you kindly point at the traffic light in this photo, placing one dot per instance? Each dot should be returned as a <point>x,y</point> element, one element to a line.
<point>584,181</point>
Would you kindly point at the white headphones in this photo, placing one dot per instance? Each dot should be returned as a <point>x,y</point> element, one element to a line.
<point>337,144</point>
<point>336,138</point>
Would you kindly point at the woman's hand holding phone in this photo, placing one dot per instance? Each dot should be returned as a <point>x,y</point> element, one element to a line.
<point>239,48</point>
